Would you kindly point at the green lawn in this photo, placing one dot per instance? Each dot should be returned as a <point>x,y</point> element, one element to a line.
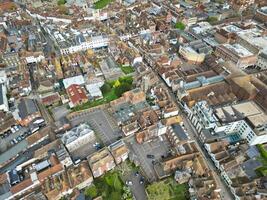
<point>102,3</point>
<point>167,189</point>
<point>109,186</point>
<point>127,69</point>
<point>180,25</point>
<point>108,97</point>
<point>212,19</point>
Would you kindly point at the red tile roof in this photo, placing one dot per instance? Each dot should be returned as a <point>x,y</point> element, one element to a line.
<point>51,99</point>
<point>21,186</point>
<point>76,94</point>
<point>49,172</point>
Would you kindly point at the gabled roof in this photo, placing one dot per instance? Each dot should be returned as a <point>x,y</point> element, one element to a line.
<point>76,93</point>
<point>27,107</point>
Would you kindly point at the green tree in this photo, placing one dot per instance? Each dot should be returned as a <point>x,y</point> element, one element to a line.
<point>91,191</point>
<point>61,2</point>
<point>126,79</point>
<point>212,19</point>
<point>122,88</point>
<point>117,83</point>
<point>180,25</point>
<point>105,88</point>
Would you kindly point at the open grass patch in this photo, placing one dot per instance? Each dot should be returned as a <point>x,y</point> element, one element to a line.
<point>127,69</point>
<point>212,19</point>
<point>102,4</point>
<point>180,25</point>
<point>166,190</point>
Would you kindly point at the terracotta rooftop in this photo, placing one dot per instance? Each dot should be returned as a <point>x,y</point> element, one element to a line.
<point>3,178</point>
<point>76,93</point>
<point>38,135</point>
<point>20,186</point>
<point>50,171</point>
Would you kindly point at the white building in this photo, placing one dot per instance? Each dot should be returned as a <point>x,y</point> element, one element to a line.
<point>245,132</point>
<point>3,98</point>
<point>94,89</point>
<point>191,55</point>
<point>162,129</point>
<point>78,80</point>
<point>202,117</point>
<point>170,113</point>
<point>94,42</point>
<point>34,59</point>
<point>119,151</point>
<point>78,137</point>
<point>3,78</point>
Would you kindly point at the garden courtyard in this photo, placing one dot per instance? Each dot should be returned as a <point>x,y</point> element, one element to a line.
<point>167,189</point>
<point>109,187</point>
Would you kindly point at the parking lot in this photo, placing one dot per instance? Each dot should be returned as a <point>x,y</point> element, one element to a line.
<point>83,151</point>
<point>156,147</point>
<point>59,112</point>
<point>102,123</point>
<point>7,139</point>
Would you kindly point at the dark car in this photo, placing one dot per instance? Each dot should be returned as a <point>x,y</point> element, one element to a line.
<point>142,180</point>
<point>150,156</point>
<point>136,173</point>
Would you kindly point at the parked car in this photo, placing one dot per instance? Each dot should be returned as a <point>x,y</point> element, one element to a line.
<point>23,135</point>
<point>19,138</point>
<point>12,130</point>
<point>129,183</point>
<point>150,156</point>
<point>16,128</point>
<point>142,180</point>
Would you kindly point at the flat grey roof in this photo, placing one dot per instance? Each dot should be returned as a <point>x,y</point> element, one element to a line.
<point>179,132</point>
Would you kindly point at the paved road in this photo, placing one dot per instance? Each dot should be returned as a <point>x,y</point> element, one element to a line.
<point>137,189</point>
<point>128,174</point>
<point>13,151</point>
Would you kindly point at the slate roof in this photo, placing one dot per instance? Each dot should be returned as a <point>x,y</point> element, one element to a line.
<point>179,132</point>
<point>27,107</point>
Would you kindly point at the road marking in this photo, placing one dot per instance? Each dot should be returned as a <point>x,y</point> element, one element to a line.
<point>108,121</point>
